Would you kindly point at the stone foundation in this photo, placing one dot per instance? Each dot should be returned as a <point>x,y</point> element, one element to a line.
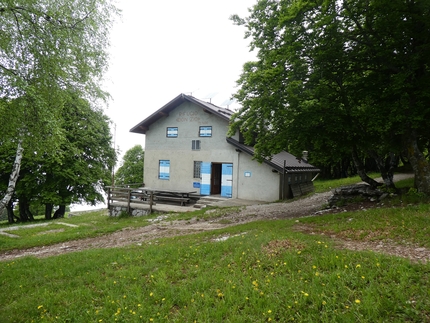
<point>117,210</point>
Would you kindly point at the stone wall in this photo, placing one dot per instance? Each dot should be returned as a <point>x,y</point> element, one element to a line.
<point>118,210</point>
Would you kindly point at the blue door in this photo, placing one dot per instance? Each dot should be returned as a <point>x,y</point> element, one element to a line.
<point>205,186</point>
<point>227,180</point>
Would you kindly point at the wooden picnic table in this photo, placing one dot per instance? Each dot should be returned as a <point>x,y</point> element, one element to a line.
<point>182,196</point>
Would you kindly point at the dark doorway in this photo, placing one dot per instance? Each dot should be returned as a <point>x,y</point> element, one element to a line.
<point>216,179</point>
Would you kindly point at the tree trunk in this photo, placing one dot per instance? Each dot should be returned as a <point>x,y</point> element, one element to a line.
<point>10,215</point>
<point>386,173</point>
<point>48,211</point>
<point>60,212</point>
<point>29,213</point>
<point>13,178</point>
<point>22,214</point>
<point>361,171</point>
<point>24,209</point>
<point>419,163</point>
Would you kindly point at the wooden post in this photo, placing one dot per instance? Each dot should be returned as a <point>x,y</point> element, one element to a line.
<point>151,198</point>
<point>128,200</point>
<point>108,198</point>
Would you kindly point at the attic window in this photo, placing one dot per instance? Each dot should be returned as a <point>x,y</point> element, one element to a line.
<point>172,132</point>
<point>205,131</point>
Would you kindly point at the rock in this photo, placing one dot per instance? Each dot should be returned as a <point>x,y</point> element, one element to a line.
<point>344,194</point>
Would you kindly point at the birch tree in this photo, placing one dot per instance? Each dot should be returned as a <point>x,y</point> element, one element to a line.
<point>48,46</point>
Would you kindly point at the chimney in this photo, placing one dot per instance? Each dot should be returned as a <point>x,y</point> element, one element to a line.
<point>305,155</point>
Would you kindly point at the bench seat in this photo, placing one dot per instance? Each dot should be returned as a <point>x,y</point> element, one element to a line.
<point>182,200</point>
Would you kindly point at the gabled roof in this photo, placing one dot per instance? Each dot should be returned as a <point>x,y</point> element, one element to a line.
<point>164,111</point>
<point>292,163</point>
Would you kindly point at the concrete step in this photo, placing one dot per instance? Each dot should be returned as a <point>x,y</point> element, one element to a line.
<point>208,200</point>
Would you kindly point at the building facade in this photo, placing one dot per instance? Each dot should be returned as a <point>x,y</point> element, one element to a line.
<point>186,148</point>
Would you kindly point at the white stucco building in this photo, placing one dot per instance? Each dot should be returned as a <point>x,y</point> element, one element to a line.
<point>186,147</point>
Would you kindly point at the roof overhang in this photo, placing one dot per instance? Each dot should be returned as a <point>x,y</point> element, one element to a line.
<point>283,161</point>
<point>143,126</point>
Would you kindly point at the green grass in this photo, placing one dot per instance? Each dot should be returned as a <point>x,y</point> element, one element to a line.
<point>324,185</point>
<point>405,225</point>
<point>91,224</point>
<point>264,271</point>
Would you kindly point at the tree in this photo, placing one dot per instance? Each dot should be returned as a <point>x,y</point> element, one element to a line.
<point>46,47</point>
<point>131,169</point>
<point>338,76</point>
<point>76,173</point>
<point>85,161</point>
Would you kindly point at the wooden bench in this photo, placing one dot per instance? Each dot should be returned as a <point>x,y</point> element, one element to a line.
<point>182,200</point>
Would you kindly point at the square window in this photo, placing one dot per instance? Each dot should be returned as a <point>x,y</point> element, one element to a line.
<point>195,145</point>
<point>197,170</point>
<point>205,131</point>
<point>164,169</point>
<point>172,132</point>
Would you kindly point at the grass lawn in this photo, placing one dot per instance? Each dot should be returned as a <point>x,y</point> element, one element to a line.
<point>265,271</point>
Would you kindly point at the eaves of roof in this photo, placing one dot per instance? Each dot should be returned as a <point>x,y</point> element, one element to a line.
<point>164,111</point>
<point>277,162</point>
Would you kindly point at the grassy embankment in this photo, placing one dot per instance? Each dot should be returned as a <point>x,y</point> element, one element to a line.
<point>258,272</point>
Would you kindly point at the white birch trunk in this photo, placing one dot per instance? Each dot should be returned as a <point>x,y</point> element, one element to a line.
<point>12,178</point>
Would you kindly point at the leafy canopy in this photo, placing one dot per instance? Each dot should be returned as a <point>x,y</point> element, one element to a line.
<point>335,76</point>
<point>48,46</point>
<point>131,169</point>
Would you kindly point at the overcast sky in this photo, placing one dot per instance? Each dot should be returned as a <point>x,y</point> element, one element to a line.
<point>160,49</point>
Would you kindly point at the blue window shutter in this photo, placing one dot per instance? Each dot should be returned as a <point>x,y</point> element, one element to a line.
<point>205,186</point>
<point>227,180</point>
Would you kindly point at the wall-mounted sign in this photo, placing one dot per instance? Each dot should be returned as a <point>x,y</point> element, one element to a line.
<point>196,185</point>
<point>247,174</point>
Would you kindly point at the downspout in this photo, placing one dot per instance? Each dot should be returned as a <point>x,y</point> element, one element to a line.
<point>283,180</point>
<point>237,174</point>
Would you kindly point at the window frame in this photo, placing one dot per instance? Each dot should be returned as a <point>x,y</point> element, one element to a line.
<point>164,169</point>
<point>196,145</point>
<point>170,129</point>
<point>197,169</point>
<point>205,131</point>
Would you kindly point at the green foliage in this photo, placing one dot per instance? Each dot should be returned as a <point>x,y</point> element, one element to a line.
<point>46,47</point>
<point>131,169</point>
<point>79,169</point>
<point>333,77</point>
<point>76,36</point>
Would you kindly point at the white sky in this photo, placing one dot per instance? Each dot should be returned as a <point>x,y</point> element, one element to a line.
<point>160,49</point>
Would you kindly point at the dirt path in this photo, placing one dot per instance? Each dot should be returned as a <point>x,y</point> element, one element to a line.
<point>166,228</point>
<point>227,217</point>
